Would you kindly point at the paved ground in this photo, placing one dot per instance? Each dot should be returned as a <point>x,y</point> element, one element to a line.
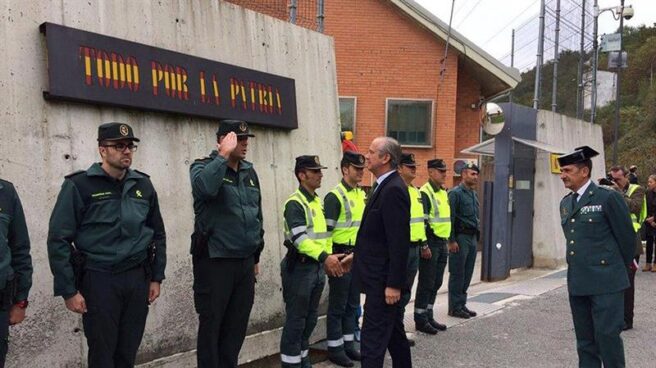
<point>527,323</point>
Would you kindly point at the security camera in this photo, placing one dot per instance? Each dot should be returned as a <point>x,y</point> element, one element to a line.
<point>628,12</point>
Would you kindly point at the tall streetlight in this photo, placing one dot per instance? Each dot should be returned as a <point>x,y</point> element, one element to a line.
<point>619,13</point>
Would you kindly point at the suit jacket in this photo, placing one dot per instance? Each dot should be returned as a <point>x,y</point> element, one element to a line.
<point>600,241</point>
<point>383,241</point>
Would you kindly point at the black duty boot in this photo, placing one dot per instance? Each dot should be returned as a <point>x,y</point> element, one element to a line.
<point>471,312</point>
<point>426,328</point>
<point>339,357</point>
<point>351,351</point>
<point>438,326</point>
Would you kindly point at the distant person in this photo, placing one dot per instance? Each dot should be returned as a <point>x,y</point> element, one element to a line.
<point>650,224</point>
<point>600,244</point>
<point>634,196</point>
<point>347,142</point>
<point>633,174</point>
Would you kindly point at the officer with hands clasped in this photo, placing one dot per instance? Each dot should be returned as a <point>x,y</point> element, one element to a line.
<point>106,246</point>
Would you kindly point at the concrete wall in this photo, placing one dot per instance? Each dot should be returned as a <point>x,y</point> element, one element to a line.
<point>566,133</point>
<point>42,141</point>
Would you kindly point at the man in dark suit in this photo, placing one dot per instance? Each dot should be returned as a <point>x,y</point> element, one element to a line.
<point>600,244</point>
<point>381,258</point>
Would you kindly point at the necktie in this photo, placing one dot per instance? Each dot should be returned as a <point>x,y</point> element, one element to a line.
<point>575,197</point>
<point>371,192</point>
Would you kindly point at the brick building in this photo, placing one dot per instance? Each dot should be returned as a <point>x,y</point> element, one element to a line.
<point>389,56</point>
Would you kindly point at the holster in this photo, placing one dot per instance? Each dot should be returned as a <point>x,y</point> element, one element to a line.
<point>292,255</point>
<point>200,243</point>
<point>78,262</point>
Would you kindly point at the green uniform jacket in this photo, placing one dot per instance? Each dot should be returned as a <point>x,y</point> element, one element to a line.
<point>600,241</point>
<point>15,260</point>
<point>464,210</point>
<point>228,206</point>
<point>112,222</point>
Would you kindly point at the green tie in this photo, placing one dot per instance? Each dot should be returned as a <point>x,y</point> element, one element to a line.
<point>575,196</point>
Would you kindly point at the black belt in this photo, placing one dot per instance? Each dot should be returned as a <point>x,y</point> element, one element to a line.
<point>301,258</point>
<point>468,231</point>
<point>416,243</point>
<point>438,238</point>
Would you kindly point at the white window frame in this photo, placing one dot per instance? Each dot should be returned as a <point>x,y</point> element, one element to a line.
<point>355,112</point>
<point>432,116</point>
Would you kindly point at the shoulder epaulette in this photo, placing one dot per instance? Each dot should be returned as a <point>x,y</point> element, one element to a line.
<point>203,159</point>
<point>142,173</point>
<point>75,173</point>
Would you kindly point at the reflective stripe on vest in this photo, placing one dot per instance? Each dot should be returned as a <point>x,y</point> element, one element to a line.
<point>352,202</point>
<point>439,216</point>
<point>316,228</point>
<point>417,229</point>
<point>637,222</point>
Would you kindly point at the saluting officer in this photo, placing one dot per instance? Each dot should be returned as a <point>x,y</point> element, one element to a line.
<point>462,240</point>
<point>408,172</point>
<point>108,215</point>
<point>15,265</point>
<point>600,245</point>
<point>344,206</point>
<point>226,245</point>
<point>434,255</point>
<point>308,252</point>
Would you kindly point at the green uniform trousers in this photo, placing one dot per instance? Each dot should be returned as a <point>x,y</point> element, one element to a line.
<point>598,321</point>
<point>431,274</point>
<point>413,265</point>
<point>301,291</point>
<point>461,268</point>
<point>343,302</point>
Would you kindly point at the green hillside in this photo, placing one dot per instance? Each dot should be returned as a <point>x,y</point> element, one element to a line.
<point>637,133</point>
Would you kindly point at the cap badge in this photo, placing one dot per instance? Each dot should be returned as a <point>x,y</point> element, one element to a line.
<point>124,130</point>
<point>243,127</point>
<point>316,160</point>
<point>412,156</point>
<point>361,159</point>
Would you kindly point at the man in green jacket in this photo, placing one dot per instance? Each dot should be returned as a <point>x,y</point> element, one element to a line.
<point>600,246</point>
<point>107,248</point>
<point>226,244</point>
<point>465,221</point>
<point>15,265</point>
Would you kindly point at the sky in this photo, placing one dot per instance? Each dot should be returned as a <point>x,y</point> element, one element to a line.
<point>489,23</point>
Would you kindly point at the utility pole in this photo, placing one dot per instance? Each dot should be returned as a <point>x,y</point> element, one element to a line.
<point>579,89</point>
<point>538,66</point>
<point>617,84</point>
<point>512,58</point>
<point>554,103</point>
<point>595,60</point>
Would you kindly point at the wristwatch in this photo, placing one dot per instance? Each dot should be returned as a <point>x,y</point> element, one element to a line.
<point>22,304</point>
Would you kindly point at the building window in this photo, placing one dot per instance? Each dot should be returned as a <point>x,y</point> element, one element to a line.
<point>409,121</point>
<point>347,113</point>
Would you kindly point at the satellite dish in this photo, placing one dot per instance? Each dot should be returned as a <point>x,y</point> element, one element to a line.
<point>494,120</point>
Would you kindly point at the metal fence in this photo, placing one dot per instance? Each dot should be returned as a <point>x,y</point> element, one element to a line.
<point>305,13</point>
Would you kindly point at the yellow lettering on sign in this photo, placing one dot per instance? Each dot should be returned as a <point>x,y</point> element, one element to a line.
<point>555,167</point>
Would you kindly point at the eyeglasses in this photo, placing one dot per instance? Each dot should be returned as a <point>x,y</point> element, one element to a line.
<point>120,147</point>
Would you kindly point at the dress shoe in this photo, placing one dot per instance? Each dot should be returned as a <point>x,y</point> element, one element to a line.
<point>340,358</point>
<point>460,314</point>
<point>426,328</point>
<point>438,326</point>
<point>469,311</point>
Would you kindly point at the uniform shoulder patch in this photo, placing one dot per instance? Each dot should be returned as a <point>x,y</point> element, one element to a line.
<point>75,174</point>
<point>142,173</point>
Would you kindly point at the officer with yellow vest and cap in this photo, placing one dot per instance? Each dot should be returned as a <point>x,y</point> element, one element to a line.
<point>344,206</point>
<point>308,253</point>
<point>435,254</point>
<point>408,172</point>
<point>634,196</point>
